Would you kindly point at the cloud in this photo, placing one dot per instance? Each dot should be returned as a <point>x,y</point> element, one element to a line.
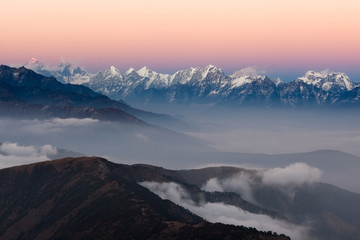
<point>252,71</point>
<point>293,175</point>
<point>172,191</point>
<point>227,214</point>
<point>239,184</point>
<point>12,154</point>
<point>13,149</point>
<point>74,121</point>
<point>274,140</point>
<point>56,124</point>
<point>141,137</point>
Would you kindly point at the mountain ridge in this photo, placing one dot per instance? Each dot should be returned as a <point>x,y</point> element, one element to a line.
<point>77,198</point>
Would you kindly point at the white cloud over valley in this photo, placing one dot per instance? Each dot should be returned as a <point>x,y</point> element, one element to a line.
<point>286,179</point>
<point>56,124</point>
<point>295,174</point>
<point>12,154</point>
<point>224,213</point>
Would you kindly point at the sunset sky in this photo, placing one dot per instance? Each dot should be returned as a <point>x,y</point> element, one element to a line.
<point>284,37</point>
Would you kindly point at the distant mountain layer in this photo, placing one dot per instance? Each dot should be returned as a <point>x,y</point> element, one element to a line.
<point>26,93</point>
<point>91,198</point>
<point>210,85</point>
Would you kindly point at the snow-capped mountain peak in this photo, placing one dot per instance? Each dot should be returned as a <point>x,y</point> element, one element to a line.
<point>210,69</point>
<point>242,80</point>
<point>311,77</point>
<point>130,70</point>
<point>64,72</point>
<point>341,79</point>
<point>239,81</point>
<point>328,80</point>
<point>145,72</point>
<point>112,71</point>
<point>245,76</point>
<point>154,79</point>
<point>277,81</point>
<point>312,73</point>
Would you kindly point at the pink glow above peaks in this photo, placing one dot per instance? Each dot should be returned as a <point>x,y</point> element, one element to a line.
<point>176,34</point>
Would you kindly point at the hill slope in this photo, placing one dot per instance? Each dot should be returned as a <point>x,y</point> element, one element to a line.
<point>86,198</point>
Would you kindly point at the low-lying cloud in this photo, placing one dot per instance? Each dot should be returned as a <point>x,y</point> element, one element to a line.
<point>168,190</point>
<point>248,132</point>
<point>56,124</point>
<point>285,179</point>
<point>119,142</point>
<point>13,149</point>
<point>275,141</point>
<point>227,214</point>
<point>239,184</point>
<point>12,154</point>
<point>293,175</point>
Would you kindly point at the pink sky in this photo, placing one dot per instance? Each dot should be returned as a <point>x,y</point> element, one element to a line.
<point>168,35</point>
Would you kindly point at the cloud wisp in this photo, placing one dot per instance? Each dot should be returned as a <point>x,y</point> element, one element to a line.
<point>241,184</point>
<point>224,213</point>
<point>286,179</point>
<point>293,175</point>
<point>249,71</point>
<point>12,154</point>
<point>56,124</point>
<point>14,149</point>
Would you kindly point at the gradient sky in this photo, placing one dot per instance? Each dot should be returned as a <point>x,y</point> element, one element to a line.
<point>282,36</point>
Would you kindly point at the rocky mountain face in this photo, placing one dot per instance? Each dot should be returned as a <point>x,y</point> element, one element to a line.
<point>210,85</point>
<point>91,198</point>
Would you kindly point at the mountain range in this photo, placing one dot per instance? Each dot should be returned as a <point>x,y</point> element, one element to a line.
<point>210,85</point>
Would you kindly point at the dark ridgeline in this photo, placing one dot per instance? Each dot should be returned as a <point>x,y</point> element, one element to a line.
<point>91,198</point>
